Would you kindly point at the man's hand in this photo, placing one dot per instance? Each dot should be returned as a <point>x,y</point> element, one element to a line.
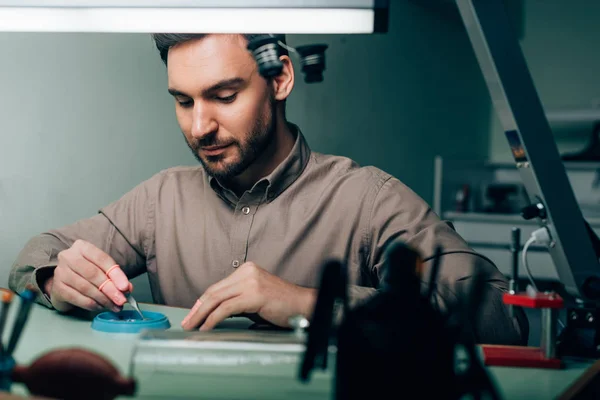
<point>81,270</point>
<point>252,290</point>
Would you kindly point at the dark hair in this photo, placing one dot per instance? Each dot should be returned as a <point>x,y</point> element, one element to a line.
<point>164,41</point>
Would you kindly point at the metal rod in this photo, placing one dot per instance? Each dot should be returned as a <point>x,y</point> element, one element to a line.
<point>515,247</point>
<point>513,283</point>
<point>548,340</point>
<point>437,185</point>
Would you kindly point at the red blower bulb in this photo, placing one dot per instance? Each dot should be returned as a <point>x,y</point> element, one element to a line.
<point>73,373</point>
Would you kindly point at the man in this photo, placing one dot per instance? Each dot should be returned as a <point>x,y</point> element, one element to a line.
<point>247,231</point>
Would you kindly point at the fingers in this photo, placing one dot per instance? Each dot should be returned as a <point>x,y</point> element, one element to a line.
<point>105,262</point>
<point>207,304</point>
<point>184,323</point>
<point>243,283</point>
<point>109,289</point>
<point>237,276</point>
<point>231,280</point>
<point>191,312</point>
<point>226,309</point>
<point>72,280</point>
<point>91,273</point>
<point>85,268</point>
<point>63,293</point>
<point>246,271</point>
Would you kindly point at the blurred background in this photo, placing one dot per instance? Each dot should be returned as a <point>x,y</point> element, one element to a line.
<point>85,117</point>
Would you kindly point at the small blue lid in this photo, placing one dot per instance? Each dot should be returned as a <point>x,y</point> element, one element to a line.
<point>129,321</point>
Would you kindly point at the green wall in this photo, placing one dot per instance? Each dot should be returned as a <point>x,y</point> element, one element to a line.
<point>397,100</point>
<point>561,45</point>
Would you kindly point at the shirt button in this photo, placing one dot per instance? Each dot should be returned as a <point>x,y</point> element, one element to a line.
<point>235,263</point>
<point>246,210</point>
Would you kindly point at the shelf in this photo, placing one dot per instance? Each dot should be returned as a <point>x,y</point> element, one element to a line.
<point>501,218</point>
<point>487,217</point>
<point>574,115</point>
<point>569,165</point>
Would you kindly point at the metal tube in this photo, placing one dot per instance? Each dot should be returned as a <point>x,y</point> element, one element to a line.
<point>515,247</point>
<point>548,341</point>
<point>437,185</point>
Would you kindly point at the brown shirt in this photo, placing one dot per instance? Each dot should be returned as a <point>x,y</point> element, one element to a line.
<point>187,232</point>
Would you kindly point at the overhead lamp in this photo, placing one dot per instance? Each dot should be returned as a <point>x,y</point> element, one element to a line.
<point>193,16</point>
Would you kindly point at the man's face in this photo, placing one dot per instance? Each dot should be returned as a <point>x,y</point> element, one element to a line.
<point>225,109</point>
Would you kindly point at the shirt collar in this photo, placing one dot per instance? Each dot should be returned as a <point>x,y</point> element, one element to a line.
<point>277,181</point>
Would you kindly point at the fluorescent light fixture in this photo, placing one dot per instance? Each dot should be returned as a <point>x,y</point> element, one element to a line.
<point>189,16</point>
<point>181,20</point>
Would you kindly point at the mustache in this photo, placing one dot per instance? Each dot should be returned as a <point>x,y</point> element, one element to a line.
<point>211,140</point>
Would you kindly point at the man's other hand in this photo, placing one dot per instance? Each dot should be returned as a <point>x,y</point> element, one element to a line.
<point>80,272</point>
<point>250,289</point>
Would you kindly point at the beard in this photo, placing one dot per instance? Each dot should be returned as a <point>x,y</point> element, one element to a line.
<point>253,145</point>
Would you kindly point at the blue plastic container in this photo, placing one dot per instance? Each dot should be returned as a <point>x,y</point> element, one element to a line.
<point>129,321</point>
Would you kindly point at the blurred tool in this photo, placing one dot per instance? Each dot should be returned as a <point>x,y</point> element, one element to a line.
<point>472,379</point>
<point>374,336</point>
<point>7,297</point>
<point>27,298</point>
<point>7,362</point>
<point>237,351</point>
<point>432,287</point>
<point>332,289</point>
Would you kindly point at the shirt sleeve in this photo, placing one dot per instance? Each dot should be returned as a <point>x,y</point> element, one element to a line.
<point>123,230</point>
<point>399,214</point>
